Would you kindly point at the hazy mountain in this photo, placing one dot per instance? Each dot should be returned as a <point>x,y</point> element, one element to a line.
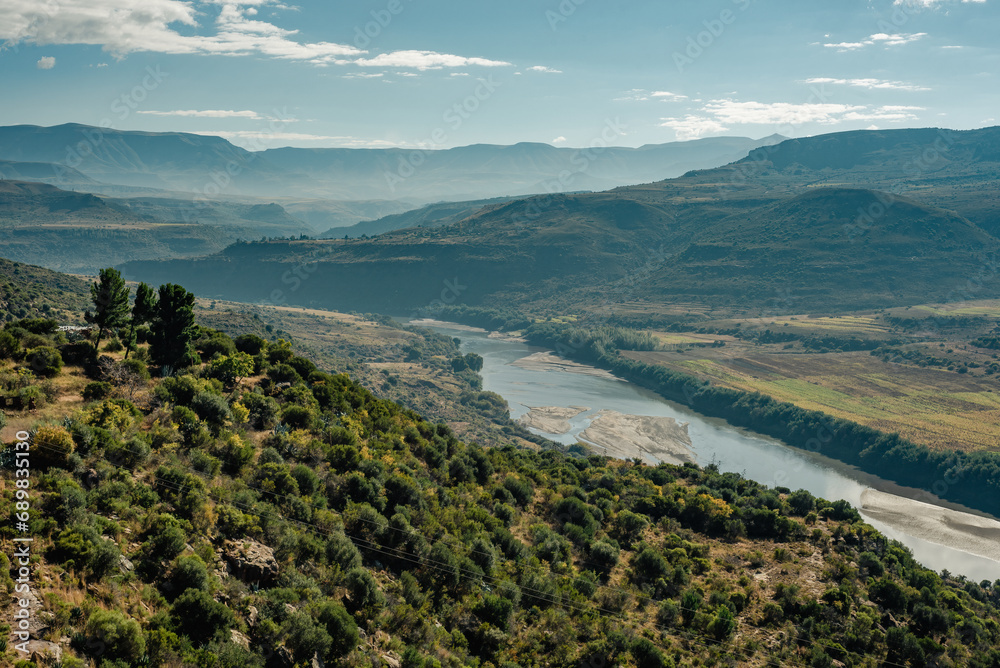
<point>731,237</point>
<point>212,166</point>
<point>72,231</point>
<point>45,172</point>
<point>432,215</point>
<point>484,170</point>
<point>168,160</point>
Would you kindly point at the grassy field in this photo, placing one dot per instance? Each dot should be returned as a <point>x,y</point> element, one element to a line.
<point>936,407</point>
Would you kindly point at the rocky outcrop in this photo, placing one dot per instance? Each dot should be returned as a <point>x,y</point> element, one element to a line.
<point>251,561</point>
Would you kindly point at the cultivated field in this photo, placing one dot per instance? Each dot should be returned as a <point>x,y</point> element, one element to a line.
<point>937,407</point>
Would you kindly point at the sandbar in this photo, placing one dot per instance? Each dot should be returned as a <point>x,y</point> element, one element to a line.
<point>644,436</point>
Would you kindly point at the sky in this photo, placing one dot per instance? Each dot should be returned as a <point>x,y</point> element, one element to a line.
<point>444,73</point>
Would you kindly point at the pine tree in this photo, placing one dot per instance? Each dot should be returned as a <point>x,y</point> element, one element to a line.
<point>173,328</point>
<point>143,312</point>
<point>110,296</point>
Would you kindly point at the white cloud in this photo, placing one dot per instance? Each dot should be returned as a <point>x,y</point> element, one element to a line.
<point>880,38</point>
<point>459,74</point>
<point>932,3</point>
<point>364,75</point>
<point>426,60</point>
<point>122,27</point>
<point>258,139</point>
<point>870,84</point>
<point>546,70</point>
<point>206,113</point>
<point>785,113</point>
<point>643,95</point>
<point>719,115</point>
<point>558,140</point>
<point>46,63</point>
<point>667,96</point>
<point>693,127</point>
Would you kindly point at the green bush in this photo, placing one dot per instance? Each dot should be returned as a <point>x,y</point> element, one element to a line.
<point>250,344</point>
<point>212,408</point>
<point>97,390</point>
<point>341,627</point>
<point>200,617</point>
<point>9,346</point>
<point>53,446</point>
<point>118,636</point>
<point>187,573</point>
<point>263,410</point>
<point>44,361</point>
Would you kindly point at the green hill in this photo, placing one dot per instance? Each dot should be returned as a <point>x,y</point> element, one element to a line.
<point>293,517</point>
<point>33,292</point>
<point>81,232</point>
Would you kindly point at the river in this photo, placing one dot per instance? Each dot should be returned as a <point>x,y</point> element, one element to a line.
<point>756,457</point>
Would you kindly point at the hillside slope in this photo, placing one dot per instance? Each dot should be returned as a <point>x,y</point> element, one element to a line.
<point>294,517</point>
<point>729,238</point>
<point>81,232</point>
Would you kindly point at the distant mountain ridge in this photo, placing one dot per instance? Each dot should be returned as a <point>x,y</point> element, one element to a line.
<point>81,232</point>
<point>782,222</point>
<point>212,166</point>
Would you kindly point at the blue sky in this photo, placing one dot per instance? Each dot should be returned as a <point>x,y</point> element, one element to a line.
<point>441,73</point>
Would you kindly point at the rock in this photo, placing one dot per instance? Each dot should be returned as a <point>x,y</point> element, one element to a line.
<point>392,659</point>
<point>239,639</point>
<point>317,661</point>
<point>91,478</point>
<point>284,657</point>
<point>125,565</point>
<point>252,616</point>
<point>251,561</point>
<point>44,653</point>
<point>289,608</point>
<point>37,618</point>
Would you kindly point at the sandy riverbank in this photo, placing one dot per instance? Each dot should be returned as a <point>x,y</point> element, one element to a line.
<point>962,531</point>
<point>626,436</point>
<point>551,362</point>
<point>551,419</point>
<point>431,322</point>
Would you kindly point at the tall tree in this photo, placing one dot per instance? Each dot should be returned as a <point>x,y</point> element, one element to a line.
<point>110,296</point>
<point>173,328</point>
<point>143,311</point>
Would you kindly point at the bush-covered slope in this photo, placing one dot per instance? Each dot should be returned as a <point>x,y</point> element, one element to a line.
<point>27,291</point>
<point>294,517</point>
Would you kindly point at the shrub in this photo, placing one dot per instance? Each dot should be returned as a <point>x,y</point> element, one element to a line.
<point>306,637</point>
<point>250,344</point>
<point>200,617</point>
<point>212,408</point>
<point>97,390</point>
<point>263,410</point>
<point>9,346</point>
<point>53,446</point>
<point>283,373</point>
<point>119,636</point>
<point>187,573</point>
<point>363,588</point>
<point>297,417</point>
<point>44,361</point>
<point>341,627</point>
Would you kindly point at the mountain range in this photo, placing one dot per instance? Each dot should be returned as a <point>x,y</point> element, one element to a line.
<point>847,220</point>
<point>211,166</point>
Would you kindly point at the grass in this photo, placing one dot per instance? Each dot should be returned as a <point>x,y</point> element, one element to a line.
<point>933,407</point>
